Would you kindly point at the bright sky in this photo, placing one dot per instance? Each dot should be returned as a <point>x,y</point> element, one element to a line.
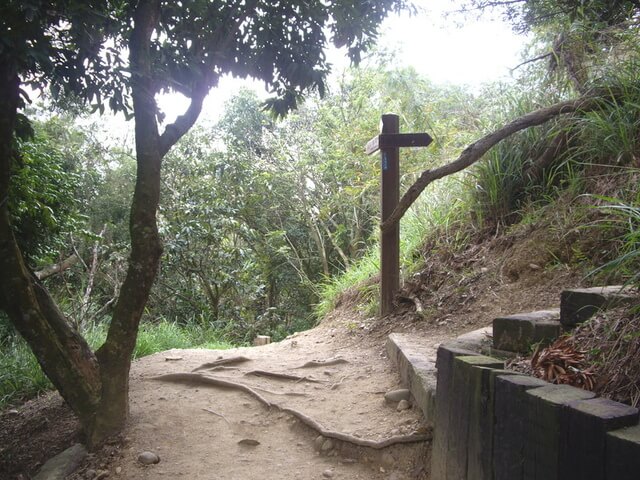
<point>478,52</point>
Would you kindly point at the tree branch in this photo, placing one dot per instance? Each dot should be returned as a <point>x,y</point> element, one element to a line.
<point>475,151</point>
<point>51,270</point>
<point>531,60</point>
<point>183,123</point>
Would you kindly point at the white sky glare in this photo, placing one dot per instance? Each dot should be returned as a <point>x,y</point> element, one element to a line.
<point>480,51</point>
<point>477,52</point>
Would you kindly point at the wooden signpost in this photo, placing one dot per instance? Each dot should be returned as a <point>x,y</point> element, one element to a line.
<point>389,142</point>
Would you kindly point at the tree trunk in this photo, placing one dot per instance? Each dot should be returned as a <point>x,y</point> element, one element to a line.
<point>115,355</point>
<point>96,386</point>
<point>62,353</point>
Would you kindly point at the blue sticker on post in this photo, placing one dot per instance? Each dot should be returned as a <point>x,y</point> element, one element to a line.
<point>385,162</point>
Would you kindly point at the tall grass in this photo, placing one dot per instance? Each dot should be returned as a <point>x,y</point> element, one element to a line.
<point>438,210</point>
<point>21,376</point>
<point>626,217</point>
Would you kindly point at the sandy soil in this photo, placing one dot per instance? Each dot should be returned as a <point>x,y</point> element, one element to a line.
<point>195,428</point>
<point>198,430</point>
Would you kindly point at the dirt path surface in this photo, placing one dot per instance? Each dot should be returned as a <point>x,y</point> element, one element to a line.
<point>202,431</point>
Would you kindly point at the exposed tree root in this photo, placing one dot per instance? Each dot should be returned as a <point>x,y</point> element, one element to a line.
<point>220,362</point>
<point>345,437</point>
<point>308,421</point>
<point>284,376</point>
<point>217,382</point>
<point>323,363</point>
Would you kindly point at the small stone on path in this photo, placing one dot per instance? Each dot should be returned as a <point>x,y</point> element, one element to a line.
<point>403,405</point>
<point>327,445</point>
<point>148,458</point>
<point>388,459</point>
<point>327,473</point>
<point>394,396</point>
<point>317,443</point>
<point>249,442</point>
<point>172,359</point>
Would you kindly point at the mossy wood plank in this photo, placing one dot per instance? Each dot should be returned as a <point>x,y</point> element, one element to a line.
<point>546,437</point>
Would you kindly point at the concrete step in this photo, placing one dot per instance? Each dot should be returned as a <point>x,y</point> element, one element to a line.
<point>517,333</point>
<point>580,304</point>
<point>416,364</point>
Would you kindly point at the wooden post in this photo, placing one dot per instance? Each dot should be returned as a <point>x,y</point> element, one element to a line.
<point>390,195</point>
<point>389,142</point>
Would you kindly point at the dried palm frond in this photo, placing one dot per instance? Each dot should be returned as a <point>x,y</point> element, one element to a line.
<point>562,363</point>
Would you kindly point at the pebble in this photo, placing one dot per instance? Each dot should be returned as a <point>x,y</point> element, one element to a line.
<point>317,443</point>
<point>90,473</point>
<point>101,474</point>
<point>327,445</point>
<point>118,470</point>
<point>249,441</point>
<point>394,396</point>
<point>403,405</point>
<point>387,459</point>
<point>327,473</point>
<point>13,412</point>
<point>148,458</point>
<point>395,476</point>
<point>172,358</point>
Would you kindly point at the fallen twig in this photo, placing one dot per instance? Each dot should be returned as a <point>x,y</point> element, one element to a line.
<point>338,383</point>
<point>217,414</point>
<point>308,421</point>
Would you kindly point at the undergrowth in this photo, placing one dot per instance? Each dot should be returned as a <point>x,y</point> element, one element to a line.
<point>22,378</point>
<point>569,165</point>
<point>437,213</point>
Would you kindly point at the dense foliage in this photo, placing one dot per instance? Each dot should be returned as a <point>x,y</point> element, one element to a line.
<point>260,217</point>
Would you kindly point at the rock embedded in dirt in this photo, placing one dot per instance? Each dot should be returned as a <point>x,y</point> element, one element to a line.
<point>327,473</point>
<point>317,443</point>
<point>62,464</point>
<point>394,396</point>
<point>172,358</point>
<point>387,459</point>
<point>148,458</point>
<point>249,442</point>
<point>327,445</point>
<point>403,405</point>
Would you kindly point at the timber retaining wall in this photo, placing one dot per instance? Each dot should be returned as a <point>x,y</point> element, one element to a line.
<point>493,424</point>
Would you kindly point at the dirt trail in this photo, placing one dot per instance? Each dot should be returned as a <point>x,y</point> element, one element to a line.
<point>196,429</point>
